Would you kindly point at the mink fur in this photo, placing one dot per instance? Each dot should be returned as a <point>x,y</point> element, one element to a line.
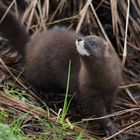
<point>95,76</point>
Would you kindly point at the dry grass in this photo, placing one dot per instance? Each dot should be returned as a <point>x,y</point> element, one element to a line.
<point>116,21</point>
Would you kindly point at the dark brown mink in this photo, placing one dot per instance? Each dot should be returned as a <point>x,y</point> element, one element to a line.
<point>95,70</point>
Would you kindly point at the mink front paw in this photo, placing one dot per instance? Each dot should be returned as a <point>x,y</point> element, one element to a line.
<point>110,130</point>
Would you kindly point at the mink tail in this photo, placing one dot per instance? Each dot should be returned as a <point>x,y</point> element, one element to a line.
<point>12,29</point>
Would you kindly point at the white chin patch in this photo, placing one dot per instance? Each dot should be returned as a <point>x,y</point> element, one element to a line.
<point>80,48</point>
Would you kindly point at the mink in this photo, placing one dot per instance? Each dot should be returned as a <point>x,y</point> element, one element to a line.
<point>95,70</point>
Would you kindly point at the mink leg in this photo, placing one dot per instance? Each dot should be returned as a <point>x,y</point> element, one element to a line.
<point>94,106</point>
<point>108,101</point>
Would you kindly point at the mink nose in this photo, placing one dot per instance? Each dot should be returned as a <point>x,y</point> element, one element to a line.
<point>79,39</point>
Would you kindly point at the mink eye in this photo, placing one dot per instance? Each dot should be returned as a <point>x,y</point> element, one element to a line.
<point>92,43</point>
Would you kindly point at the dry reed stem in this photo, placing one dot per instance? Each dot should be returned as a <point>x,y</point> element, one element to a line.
<point>100,25</point>
<point>130,95</point>
<point>83,14</point>
<point>7,11</point>
<point>122,112</point>
<point>126,31</point>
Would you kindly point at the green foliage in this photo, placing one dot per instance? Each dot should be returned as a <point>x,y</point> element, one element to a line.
<point>66,103</point>
<point>7,133</point>
<point>3,115</point>
<point>53,130</point>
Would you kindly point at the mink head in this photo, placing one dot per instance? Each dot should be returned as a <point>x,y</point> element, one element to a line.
<point>93,46</point>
